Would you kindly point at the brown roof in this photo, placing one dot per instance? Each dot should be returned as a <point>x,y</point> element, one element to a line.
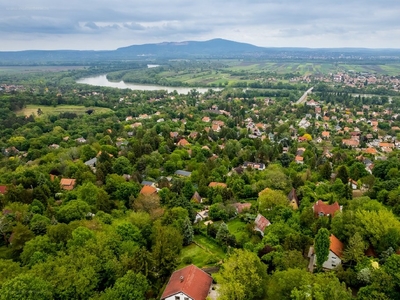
<point>148,190</point>
<point>217,184</point>
<point>67,183</point>
<point>336,246</point>
<point>196,197</point>
<point>325,209</point>
<point>261,222</point>
<point>191,281</point>
<point>241,206</point>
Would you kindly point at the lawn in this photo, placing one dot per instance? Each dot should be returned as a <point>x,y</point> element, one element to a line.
<point>211,246</point>
<point>199,256</point>
<point>47,110</point>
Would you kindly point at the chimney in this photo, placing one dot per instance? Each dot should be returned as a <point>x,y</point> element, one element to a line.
<point>181,278</point>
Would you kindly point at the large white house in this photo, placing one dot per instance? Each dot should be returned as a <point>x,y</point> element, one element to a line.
<point>334,258</point>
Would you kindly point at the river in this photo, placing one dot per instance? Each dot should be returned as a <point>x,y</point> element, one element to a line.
<point>101,80</point>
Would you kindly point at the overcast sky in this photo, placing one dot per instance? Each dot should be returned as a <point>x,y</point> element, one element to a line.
<point>101,24</point>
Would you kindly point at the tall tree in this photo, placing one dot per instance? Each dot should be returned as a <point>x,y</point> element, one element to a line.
<point>355,249</point>
<point>242,276</point>
<point>321,246</point>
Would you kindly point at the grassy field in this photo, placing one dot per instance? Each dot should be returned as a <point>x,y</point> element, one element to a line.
<point>210,246</point>
<point>199,256</point>
<point>35,69</point>
<point>48,110</point>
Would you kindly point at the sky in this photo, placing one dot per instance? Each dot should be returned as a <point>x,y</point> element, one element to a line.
<point>107,25</point>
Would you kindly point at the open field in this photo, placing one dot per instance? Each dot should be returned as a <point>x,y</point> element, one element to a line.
<point>35,69</point>
<point>48,110</point>
<point>210,246</point>
<point>199,256</point>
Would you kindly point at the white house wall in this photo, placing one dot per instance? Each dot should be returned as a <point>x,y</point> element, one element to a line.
<point>181,296</point>
<point>332,262</point>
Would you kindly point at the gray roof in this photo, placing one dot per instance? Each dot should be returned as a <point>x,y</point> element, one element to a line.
<point>91,162</point>
<point>145,182</point>
<point>183,173</point>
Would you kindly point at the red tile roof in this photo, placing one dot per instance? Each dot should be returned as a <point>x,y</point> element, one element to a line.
<point>67,183</point>
<point>336,246</point>
<point>325,209</point>
<point>190,281</point>
<point>261,222</point>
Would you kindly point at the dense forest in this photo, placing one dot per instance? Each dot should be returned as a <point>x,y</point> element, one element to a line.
<point>104,193</point>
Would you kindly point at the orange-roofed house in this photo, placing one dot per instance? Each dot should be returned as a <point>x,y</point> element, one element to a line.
<point>148,190</point>
<point>335,255</point>
<point>371,151</point>
<point>325,134</point>
<point>183,143</point>
<point>321,209</point>
<point>217,184</point>
<point>67,184</point>
<point>188,283</point>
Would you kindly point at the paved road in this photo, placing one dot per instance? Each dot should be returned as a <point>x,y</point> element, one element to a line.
<point>304,97</point>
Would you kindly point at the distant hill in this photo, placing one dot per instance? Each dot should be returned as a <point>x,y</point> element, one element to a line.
<point>216,48</point>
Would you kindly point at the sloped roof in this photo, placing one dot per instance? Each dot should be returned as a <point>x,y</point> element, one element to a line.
<point>336,246</point>
<point>67,183</point>
<point>3,189</point>
<point>148,190</point>
<point>241,206</point>
<point>326,209</point>
<point>191,281</point>
<point>261,222</point>
<point>215,184</point>
<point>196,197</point>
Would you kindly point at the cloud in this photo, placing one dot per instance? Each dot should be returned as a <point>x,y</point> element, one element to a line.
<point>307,23</point>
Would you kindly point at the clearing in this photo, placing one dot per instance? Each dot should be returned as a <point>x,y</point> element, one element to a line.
<point>50,110</point>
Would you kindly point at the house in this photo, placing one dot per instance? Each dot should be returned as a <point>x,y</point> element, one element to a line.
<point>183,143</point>
<point>67,184</point>
<point>91,162</point>
<point>183,173</point>
<point>206,119</point>
<point>353,184</point>
<point>188,283</point>
<point>3,189</point>
<point>197,198</point>
<point>173,134</point>
<point>325,134</point>
<point>350,142</point>
<point>321,209</point>
<point>201,216</point>
<point>148,190</point>
<point>148,183</point>
<point>293,200</point>
<point>256,166</point>
<point>81,140</point>
<point>240,207</point>
<point>260,223</point>
<point>217,184</point>
<point>299,159</point>
<point>334,257</point>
